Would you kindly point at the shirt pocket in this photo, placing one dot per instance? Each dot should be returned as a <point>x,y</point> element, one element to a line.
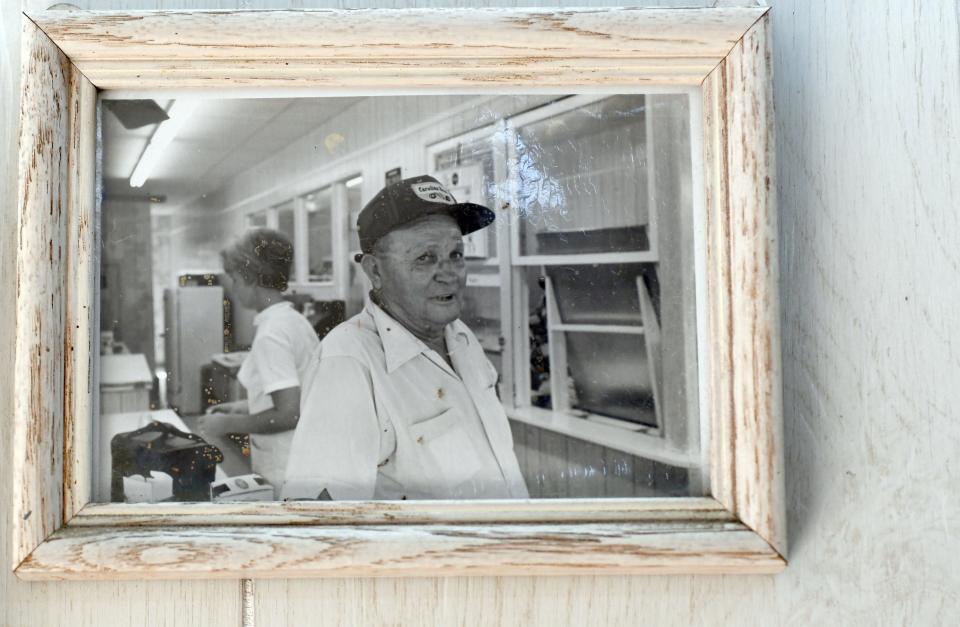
<point>447,453</point>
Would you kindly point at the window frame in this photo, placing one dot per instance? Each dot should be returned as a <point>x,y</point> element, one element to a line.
<point>68,56</point>
<point>338,284</point>
<point>650,442</point>
<point>541,114</point>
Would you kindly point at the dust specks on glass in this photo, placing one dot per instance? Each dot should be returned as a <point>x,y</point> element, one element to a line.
<point>581,381</point>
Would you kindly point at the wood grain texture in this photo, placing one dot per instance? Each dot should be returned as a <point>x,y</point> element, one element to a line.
<point>78,389</point>
<point>650,510</point>
<point>41,237</point>
<point>388,49</point>
<point>719,289</point>
<point>396,74</point>
<point>757,389</point>
<point>49,131</point>
<point>400,529</point>
<point>389,550</point>
<point>746,406</point>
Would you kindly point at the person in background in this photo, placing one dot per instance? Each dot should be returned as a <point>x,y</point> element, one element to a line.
<point>403,404</point>
<point>281,358</point>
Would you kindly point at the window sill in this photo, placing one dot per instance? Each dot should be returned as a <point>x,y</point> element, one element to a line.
<point>627,438</point>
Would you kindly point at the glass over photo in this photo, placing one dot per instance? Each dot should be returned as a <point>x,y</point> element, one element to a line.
<point>398,298</point>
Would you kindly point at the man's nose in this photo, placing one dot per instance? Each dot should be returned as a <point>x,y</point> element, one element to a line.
<point>448,270</point>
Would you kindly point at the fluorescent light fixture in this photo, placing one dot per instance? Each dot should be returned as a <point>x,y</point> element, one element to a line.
<point>354,181</point>
<point>179,113</point>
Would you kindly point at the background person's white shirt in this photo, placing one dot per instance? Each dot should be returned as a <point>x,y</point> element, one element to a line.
<point>283,355</point>
<point>387,418</point>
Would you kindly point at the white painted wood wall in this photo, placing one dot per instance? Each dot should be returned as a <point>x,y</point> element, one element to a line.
<point>868,158</point>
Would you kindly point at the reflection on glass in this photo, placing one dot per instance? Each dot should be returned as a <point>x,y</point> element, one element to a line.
<point>586,308</point>
<point>601,188</point>
<point>582,178</point>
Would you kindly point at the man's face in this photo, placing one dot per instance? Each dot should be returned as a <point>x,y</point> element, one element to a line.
<point>421,273</point>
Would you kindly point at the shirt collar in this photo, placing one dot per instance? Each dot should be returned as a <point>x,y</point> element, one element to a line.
<point>400,345</point>
<point>272,310</point>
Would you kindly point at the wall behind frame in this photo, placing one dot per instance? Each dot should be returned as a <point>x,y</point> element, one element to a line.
<point>868,112</point>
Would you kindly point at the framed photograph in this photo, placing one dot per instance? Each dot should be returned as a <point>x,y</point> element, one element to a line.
<point>549,346</point>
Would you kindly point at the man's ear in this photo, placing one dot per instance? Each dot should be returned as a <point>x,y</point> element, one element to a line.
<point>371,267</point>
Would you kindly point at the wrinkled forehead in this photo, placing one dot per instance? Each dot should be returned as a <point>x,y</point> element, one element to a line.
<point>429,230</point>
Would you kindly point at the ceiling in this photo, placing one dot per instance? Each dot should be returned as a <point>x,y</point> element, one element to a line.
<point>221,139</point>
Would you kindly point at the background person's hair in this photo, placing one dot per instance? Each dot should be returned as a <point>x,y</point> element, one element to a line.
<point>260,256</point>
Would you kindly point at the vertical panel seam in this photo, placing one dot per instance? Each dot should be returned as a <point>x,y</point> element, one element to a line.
<point>247,615</point>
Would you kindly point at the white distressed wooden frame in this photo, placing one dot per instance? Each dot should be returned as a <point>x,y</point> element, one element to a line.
<point>67,57</point>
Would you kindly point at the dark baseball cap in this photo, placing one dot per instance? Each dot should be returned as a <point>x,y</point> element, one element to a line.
<point>409,199</point>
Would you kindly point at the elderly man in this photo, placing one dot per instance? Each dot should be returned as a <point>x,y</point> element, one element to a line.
<point>404,403</point>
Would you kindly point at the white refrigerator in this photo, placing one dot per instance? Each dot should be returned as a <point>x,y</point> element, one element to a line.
<point>194,332</point>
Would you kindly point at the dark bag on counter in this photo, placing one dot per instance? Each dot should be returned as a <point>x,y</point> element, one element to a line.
<point>159,446</point>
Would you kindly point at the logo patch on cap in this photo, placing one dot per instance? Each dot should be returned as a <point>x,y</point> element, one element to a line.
<point>433,192</point>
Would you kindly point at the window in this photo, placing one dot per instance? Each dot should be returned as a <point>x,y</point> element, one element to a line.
<point>571,295</point>
<point>354,188</point>
<point>286,224</point>
<point>319,209</point>
<point>592,184</point>
<point>467,167</point>
<point>257,220</point>
<point>316,222</point>
<point>579,178</point>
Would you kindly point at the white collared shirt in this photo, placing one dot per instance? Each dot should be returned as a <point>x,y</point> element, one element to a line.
<point>386,417</point>
<point>281,357</point>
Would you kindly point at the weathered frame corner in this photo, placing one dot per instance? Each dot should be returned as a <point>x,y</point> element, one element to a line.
<point>67,57</point>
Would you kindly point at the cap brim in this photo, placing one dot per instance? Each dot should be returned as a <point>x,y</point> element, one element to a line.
<point>470,216</point>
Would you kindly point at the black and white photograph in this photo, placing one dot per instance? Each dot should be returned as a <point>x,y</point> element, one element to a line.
<point>399,297</point>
